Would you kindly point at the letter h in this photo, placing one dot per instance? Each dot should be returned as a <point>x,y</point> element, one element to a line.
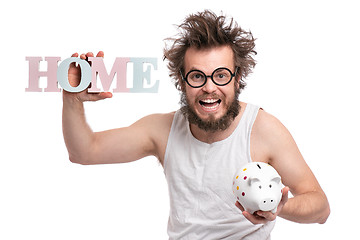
<point>35,74</point>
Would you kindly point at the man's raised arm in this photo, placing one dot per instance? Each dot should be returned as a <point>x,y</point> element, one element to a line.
<point>113,146</point>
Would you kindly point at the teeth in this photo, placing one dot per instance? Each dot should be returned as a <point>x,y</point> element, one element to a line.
<point>214,103</point>
<point>212,107</point>
<point>209,100</point>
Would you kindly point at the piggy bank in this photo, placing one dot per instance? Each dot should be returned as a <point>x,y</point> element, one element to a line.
<point>257,186</point>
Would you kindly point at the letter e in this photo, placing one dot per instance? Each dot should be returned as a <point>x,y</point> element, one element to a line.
<point>140,75</point>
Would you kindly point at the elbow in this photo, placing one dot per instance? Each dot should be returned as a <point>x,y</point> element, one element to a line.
<point>325,215</point>
<point>75,160</point>
<point>79,160</point>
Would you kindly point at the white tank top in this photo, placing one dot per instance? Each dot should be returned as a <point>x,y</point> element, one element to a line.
<point>199,176</point>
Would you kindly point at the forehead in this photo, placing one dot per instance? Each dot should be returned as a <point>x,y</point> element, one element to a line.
<point>209,59</point>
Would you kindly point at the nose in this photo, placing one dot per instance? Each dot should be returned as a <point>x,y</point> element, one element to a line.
<point>209,86</point>
<point>267,204</point>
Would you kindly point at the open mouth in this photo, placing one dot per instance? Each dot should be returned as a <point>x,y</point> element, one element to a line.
<point>210,104</point>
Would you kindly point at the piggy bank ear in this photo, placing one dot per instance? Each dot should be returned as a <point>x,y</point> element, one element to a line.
<point>276,179</point>
<point>253,180</point>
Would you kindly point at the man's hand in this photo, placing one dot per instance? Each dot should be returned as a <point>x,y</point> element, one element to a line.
<point>261,217</point>
<point>74,76</point>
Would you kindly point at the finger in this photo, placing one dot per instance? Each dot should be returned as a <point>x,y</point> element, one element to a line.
<point>100,54</point>
<point>239,206</point>
<point>99,96</point>
<point>267,215</point>
<point>254,219</point>
<point>85,57</point>
<point>106,95</point>
<point>73,64</point>
<point>285,195</point>
<point>89,54</point>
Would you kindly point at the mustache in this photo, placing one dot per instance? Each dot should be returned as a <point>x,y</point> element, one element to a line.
<point>208,96</point>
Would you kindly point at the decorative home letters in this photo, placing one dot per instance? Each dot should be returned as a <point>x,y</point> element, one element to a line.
<point>58,75</point>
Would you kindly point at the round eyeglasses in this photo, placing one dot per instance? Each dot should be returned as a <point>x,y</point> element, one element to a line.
<point>220,76</point>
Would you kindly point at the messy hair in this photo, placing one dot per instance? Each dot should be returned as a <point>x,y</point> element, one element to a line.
<point>206,30</point>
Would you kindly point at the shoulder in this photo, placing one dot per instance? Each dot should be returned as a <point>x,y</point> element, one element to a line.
<point>155,124</point>
<point>269,136</point>
<point>267,124</point>
<point>157,127</point>
<point>158,120</point>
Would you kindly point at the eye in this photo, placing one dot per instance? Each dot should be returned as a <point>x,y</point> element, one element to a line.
<point>260,186</point>
<point>220,76</point>
<point>270,186</point>
<point>197,76</point>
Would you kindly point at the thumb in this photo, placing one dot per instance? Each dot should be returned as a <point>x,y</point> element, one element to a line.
<point>99,96</point>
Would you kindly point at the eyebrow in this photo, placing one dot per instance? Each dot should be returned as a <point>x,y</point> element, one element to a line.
<point>193,68</point>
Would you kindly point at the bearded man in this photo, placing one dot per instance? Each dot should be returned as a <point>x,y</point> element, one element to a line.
<point>202,144</point>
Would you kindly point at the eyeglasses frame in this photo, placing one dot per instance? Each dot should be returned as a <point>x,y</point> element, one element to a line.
<point>208,76</point>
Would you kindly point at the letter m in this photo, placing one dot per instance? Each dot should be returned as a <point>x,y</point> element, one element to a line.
<point>98,67</point>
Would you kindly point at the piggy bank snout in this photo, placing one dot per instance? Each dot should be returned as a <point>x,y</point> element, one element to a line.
<point>267,204</point>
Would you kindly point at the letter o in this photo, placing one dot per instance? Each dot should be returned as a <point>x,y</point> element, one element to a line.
<point>62,74</point>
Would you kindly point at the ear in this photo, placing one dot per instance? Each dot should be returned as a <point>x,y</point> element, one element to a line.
<point>253,180</point>
<point>181,83</point>
<point>182,86</point>
<point>238,82</point>
<point>276,179</point>
<point>237,75</point>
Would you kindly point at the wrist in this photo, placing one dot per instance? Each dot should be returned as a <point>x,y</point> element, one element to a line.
<point>71,100</point>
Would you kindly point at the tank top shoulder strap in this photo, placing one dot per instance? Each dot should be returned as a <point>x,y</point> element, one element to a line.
<point>245,127</point>
<point>250,115</point>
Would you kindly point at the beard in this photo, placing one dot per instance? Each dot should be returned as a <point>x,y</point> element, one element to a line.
<point>212,124</point>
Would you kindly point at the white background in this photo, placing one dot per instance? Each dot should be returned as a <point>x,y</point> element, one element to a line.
<point>307,76</point>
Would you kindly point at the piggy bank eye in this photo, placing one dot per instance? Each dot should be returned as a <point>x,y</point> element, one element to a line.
<point>270,186</point>
<point>260,186</point>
